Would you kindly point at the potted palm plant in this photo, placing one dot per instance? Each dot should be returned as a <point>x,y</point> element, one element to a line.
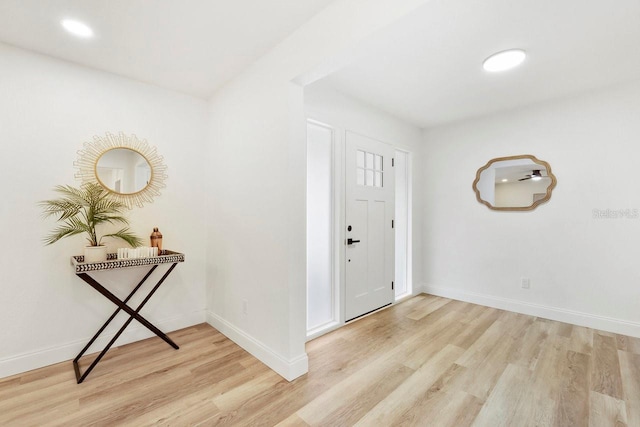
<point>81,211</point>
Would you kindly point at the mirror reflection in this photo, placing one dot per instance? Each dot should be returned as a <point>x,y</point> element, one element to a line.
<point>514,183</point>
<point>123,171</point>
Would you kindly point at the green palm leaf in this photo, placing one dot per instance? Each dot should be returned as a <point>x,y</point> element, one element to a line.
<point>126,235</point>
<point>81,210</point>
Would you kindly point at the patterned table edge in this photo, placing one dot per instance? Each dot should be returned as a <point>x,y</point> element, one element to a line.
<point>113,262</point>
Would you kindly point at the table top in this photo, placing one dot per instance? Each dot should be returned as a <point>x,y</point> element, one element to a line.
<point>166,256</point>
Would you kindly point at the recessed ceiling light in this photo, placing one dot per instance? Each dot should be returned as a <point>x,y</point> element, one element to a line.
<point>505,180</point>
<point>77,28</point>
<point>504,60</point>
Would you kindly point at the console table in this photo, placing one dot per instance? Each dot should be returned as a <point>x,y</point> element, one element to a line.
<point>82,269</point>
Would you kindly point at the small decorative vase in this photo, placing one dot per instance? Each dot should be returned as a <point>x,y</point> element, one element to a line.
<point>95,253</point>
<point>156,240</point>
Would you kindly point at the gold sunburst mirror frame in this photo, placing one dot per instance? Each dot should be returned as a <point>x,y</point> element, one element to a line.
<point>93,151</point>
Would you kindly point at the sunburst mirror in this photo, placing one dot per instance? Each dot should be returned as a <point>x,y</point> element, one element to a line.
<point>128,167</point>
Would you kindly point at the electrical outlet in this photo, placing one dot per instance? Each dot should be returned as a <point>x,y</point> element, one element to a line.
<point>525,283</point>
<point>245,307</point>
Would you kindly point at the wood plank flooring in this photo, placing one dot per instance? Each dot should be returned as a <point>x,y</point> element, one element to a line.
<point>428,361</point>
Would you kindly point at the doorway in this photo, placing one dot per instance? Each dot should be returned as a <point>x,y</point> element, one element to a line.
<point>331,262</point>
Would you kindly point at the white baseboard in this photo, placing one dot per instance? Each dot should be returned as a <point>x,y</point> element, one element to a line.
<point>593,321</point>
<point>289,369</point>
<point>66,352</point>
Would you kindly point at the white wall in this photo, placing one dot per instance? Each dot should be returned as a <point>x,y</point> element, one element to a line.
<point>332,107</point>
<point>256,182</point>
<point>514,194</point>
<point>48,108</point>
<point>583,270</point>
<point>487,186</point>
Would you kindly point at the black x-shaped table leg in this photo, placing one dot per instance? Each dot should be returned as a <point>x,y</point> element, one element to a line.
<point>122,305</point>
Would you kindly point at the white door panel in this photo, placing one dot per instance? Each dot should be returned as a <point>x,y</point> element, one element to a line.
<point>370,190</point>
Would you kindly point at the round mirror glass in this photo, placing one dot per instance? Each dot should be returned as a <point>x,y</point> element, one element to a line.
<point>514,183</point>
<point>123,171</point>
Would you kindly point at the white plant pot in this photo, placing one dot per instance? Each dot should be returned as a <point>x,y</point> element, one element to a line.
<point>95,253</point>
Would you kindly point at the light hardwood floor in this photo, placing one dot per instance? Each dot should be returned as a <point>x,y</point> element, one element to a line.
<point>428,361</point>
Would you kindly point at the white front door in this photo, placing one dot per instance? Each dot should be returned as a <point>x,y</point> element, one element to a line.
<point>370,192</point>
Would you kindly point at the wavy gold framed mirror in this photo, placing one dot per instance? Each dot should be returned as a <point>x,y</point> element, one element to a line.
<point>128,167</point>
<point>514,183</point>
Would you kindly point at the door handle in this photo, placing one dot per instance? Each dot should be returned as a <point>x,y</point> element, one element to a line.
<point>351,241</point>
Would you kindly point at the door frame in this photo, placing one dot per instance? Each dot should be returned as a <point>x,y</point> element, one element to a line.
<point>339,221</point>
<point>408,264</point>
<point>336,268</point>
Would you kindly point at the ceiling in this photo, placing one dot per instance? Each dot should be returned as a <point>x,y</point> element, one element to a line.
<point>517,172</point>
<point>191,46</point>
<point>427,68</point>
